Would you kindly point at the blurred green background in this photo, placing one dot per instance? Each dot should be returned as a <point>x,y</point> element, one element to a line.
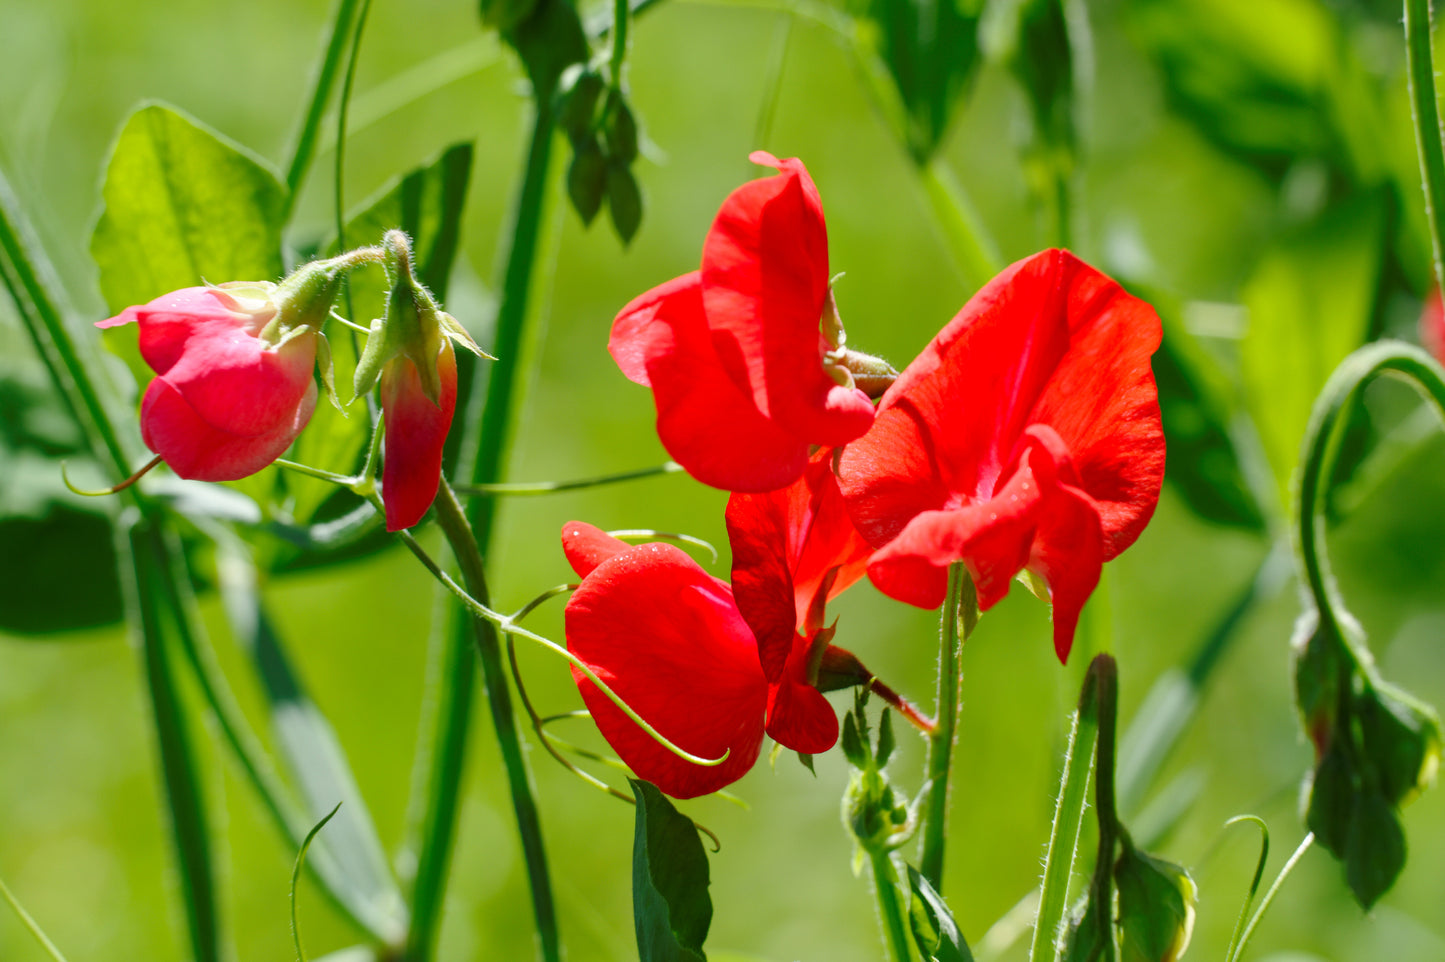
<point>1250,163</point>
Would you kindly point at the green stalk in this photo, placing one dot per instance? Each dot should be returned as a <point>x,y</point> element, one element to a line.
<point>1420,65</point>
<point>885,889</point>
<point>144,553</point>
<point>486,437</point>
<point>960,613</point>
<point>1321,447</point>
<point>304,150</point>
<point>453,522</point>
<point>973,250</point>
<point>27,276</point>
<point>1068,817</point>
<point>1105,674</point>
<point>30,924</point>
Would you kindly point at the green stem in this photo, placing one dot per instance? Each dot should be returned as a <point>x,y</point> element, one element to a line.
<point>453,522</point>
<point>484,446</point>
<point>304,150</point>
<point>556,487</point>
<point>620,17</point>
<point>1106,677</point>
<point>1419,60</point>
<point>1321,447</point>
<point>959,612</point>
<point>145,551</point>
<point>885,889</point>
<point>1068,817</point>
<point>973,250</point>
<point>1268,899</point>
<point>30,924</point>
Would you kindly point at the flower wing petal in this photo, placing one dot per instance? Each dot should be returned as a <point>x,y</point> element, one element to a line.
<point>587,546</point>
<point>195,448</point>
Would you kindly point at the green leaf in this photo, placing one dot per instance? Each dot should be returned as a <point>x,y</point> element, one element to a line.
<point>350,861</point>
<point>183,206</point>
<point>886,740</point>
<point>63,575</point>
<point>1310,302</point>
<point>931,54</point>
<point>1269,80</point>
<point>587,180</point>
<point>1374,852</point>
<point>670,904</point>
<point>934,930</point>
<point>624,200</point>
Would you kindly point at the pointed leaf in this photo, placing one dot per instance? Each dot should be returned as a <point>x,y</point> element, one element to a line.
<point>670,904</point>
<point>934,930</point>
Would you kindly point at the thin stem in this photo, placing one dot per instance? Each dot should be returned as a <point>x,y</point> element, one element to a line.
<point>940,743</point>
<point>296,877</point>
<point>620,17</point>
<point>1234,938</point>
<point>973,250</point>
<point>1068,817</point>
<point>1321,446</point>
<point>485,435</point>
<point>453,522</point>
<point>1105,673</point>
<point>556,487</point>
<point>340,158</point>
<point>30,924</point>
<point>885,889</point>
<point>304,149</point>
<point>1424,109</point>
<point>1268,899</point>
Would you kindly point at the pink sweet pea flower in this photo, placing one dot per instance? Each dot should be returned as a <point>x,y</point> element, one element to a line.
<point>1026,435</point>
<point>226,401</point>
<point>744,378</point>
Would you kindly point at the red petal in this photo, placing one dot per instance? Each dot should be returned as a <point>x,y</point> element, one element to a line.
<point>587,546</point>
<point>765,281</point>
<point>416,431</point>
<point>1432,325</point>
<point>800,718</point>
<point>705,422</point>
<point>669,640</point>
<point>1038,520</point>
<point>196,449</point>
<point>1049,341</point>
<point>784,544</point>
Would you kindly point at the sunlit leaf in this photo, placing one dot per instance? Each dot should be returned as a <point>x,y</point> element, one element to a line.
<point>670,904</point>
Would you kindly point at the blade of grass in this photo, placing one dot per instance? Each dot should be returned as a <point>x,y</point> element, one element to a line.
<point>30,923</point>
<point>296,877</point>
<point>303,151</point>
<point>144,553</point>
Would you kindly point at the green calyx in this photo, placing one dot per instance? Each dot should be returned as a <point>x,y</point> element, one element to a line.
<point>303,300</point>
<point>413,327</point>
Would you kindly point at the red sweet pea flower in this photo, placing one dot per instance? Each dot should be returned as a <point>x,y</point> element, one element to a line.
<point>735,353</point>
<point>226,401</point>
<point>1026,435</point>
<point>793,550</point>
<point>1432,326</point>
<point>416,432</point>
<point>666,637</point>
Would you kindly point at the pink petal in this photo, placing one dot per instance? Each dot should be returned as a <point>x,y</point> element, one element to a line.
<point>416,432</point>
<point>196,449</point>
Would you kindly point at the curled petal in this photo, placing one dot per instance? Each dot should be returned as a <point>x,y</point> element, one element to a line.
<point>668,639</point>
<point>195,448</point>
<point>765,283</point>
<point>416,432</point>
<point>800,718</point>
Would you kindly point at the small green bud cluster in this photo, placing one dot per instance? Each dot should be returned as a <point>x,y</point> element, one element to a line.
<point>602,128</point>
